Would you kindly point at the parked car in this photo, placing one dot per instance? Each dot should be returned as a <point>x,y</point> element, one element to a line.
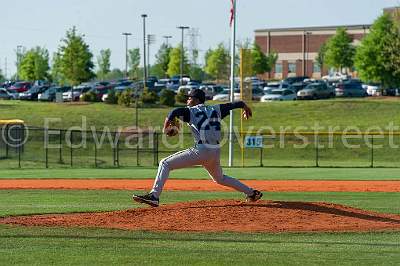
<point>350,88</point>
<point>373,89</point>
<point>32,93</point>
<point>76,92</point>
<point>50,94</point>
<point>279,95</point>
<point>224,96</point>
<point>20,86</point>
<point>211,90</point>
<point>336,76</point>
<point>271,86</point>
<point>257,93</point>
<point>316,90</point>
<point>291,80</point>
<point>4,94</point>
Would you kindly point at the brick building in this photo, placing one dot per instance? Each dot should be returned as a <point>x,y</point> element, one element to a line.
<point>298,48</point>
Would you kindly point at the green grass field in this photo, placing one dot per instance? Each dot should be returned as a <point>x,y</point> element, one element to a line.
<point>362,113</point>
<point>79,246</point>
<point>336,115</point>
<point>199,173</point>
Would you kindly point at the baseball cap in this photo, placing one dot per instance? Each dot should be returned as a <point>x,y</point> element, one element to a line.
<point>197,93</point>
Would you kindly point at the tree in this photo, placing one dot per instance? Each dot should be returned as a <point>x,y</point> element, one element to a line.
<point>2,78</point>
<point>75,58</point>
<point>377,58</point>
<point>217,64</point>
<point>103,63</point>
<point>134,62</point>
<point>174,65</point>
<point>321,56</point>
<point>160,68</point>
<point>262,63</point>
<point>56,72</point>
<point>340,51</point>
<point>116,73</point>
<point>35,65</point>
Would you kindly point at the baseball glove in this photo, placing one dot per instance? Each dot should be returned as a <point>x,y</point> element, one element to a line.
<point>172,128</point>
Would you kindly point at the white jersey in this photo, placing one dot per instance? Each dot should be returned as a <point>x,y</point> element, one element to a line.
<point>205,123</point>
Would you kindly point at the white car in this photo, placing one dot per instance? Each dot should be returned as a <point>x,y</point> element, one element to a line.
<point>373,89</point>
<point>279,95</point>
<point>336,76</point>
<point>224,96</point>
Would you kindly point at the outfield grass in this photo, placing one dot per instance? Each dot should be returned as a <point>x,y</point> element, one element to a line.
<point>199,173</point>
<point>362,113</point>
<point>47,246</point>
<point>333,115</point>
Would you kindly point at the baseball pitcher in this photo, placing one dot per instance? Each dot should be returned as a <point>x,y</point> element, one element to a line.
<point>205,123</point>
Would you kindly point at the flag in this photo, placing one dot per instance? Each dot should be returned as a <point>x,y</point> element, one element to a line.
<point>232,12</point>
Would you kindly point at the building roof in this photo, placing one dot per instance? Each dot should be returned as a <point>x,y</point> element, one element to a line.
<point>316,28</point>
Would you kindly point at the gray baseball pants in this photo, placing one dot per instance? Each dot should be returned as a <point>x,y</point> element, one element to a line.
<point>209,158</point>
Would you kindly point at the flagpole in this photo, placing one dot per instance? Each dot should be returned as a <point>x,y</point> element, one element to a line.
<point>233,41</point>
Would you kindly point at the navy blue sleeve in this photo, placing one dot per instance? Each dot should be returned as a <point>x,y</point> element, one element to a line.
<point>182,113</point>
<point>226,107</point>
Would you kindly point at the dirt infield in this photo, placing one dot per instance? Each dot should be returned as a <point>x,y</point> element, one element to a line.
<point>203,185</point>
<point>226,215</point>
<point>219,215</point>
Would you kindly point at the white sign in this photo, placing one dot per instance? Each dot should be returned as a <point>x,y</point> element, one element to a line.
<point>253,141</point>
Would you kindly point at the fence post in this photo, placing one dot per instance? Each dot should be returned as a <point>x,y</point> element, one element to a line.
<point>60,160</point>
<point>70,141</point>
<point>372,151</point>
<point>19,147</point>
<point>6,139</point>
<point>95,154</point>
<point>137,148</point>
<point>316,151</point>
<point>46,143</point>
<point>113,148</point>
<point>157,149</point>
<point>117,152</point>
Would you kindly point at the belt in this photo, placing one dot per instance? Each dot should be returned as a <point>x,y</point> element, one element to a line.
<point>206,142</point>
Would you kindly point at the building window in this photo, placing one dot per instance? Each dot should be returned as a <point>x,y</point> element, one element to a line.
<point>278,68</point>
<point>292,67</point>
<point>316,68</point>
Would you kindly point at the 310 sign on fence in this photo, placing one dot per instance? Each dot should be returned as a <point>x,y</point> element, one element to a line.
<point>253,141</point>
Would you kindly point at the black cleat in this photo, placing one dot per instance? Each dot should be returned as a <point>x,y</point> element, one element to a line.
<point>256,196</point>
<point>147,199</point>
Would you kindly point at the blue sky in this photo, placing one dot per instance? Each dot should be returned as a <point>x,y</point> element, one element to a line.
<point>44,22</point>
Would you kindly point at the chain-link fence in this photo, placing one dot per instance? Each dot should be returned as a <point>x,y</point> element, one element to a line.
<point>22,147</point>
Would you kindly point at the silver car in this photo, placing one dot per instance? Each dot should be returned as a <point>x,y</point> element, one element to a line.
<point>316,91</point>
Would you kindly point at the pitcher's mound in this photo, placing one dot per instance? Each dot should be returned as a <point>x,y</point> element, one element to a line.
<point>226,215</point>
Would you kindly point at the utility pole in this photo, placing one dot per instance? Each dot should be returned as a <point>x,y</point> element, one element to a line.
<point>182,28</point>
<point>166,37</point>
<point>144,16</point>
<point>5,69</point>
<point>151,38</point>
<point>193,47</point>
<point>126,34</point>
<point>19,51</point>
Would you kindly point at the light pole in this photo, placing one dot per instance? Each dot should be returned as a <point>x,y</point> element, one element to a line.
<point>166,37</point>
<point>19,51</point>
<point>144,16</point>
<point>126,34</point>
<point>307,50</point>
<point>151,38</point>
<point>182,28</point>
